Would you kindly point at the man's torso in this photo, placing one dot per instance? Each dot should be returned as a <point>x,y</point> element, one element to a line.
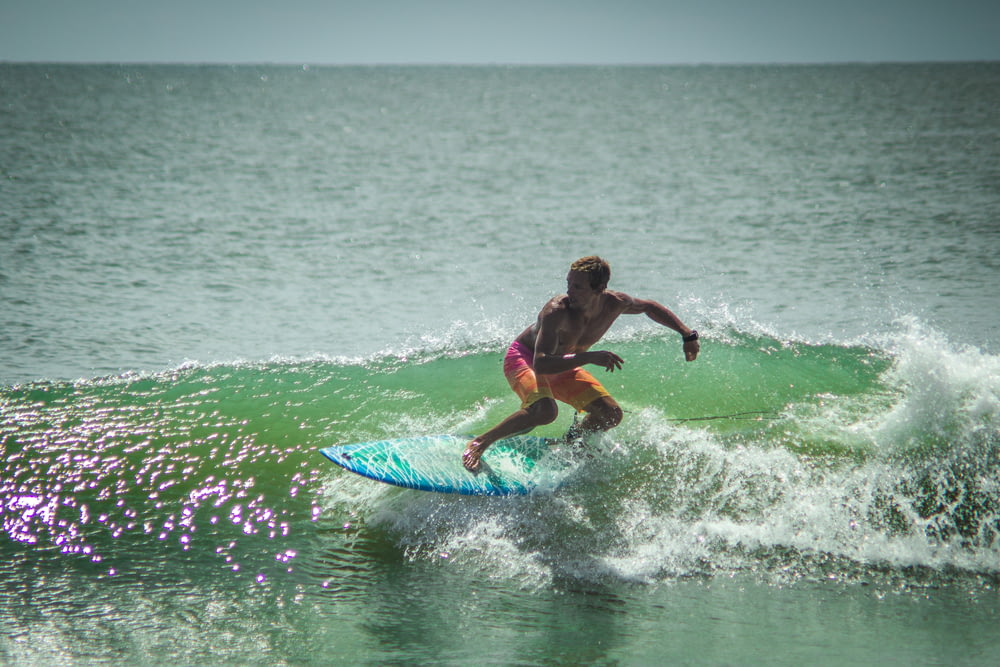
<point>576,331</point>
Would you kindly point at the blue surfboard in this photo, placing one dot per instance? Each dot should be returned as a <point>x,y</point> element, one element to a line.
<point>514,466</point>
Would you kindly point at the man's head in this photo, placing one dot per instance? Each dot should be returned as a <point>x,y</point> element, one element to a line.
<point>597,270</point>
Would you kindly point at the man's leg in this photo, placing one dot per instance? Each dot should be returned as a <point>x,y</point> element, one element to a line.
<point>541,412</point>
<point>584,392</point>
<point>603,414</point>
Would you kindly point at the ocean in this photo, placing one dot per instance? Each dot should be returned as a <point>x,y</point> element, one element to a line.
<point>207,273</point>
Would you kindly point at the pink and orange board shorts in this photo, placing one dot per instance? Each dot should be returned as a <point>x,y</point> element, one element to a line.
<point>575,387</point>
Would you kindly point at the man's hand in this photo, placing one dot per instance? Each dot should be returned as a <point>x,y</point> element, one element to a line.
<point>691,350</point>
<point>607,360</point>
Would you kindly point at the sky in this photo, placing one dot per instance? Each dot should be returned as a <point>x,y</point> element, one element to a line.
<point>498,32</point>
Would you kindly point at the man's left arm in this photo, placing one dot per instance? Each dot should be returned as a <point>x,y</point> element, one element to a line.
<point>663,315</point>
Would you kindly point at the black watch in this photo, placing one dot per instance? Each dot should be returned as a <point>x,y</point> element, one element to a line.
<point>690,338</point>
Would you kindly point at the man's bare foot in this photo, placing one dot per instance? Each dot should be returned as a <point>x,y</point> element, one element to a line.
<point>470,457</point>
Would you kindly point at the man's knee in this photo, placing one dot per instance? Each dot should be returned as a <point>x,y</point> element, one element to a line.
<point>543,411</point>
<point>606,412</point>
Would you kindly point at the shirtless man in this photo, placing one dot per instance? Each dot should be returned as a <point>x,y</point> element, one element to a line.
<point>544,362</point>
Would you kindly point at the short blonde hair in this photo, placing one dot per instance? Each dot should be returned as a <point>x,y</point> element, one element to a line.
<point>595,267</point>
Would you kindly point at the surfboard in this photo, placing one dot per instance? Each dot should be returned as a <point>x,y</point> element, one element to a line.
<point>510,467</point>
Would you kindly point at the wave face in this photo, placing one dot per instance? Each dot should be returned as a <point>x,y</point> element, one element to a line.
<point>780,458</point>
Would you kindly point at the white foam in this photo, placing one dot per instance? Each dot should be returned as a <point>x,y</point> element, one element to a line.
<point>947,394</point>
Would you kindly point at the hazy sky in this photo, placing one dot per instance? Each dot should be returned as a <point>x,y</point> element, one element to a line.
<point>499,31</point>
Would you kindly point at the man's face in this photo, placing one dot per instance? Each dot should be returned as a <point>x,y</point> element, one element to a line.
<point>578,289</point>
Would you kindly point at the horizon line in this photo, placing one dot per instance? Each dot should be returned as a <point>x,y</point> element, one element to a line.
<point>307,65</point>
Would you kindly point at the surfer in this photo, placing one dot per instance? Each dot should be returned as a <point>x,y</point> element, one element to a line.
<point>544,363</point>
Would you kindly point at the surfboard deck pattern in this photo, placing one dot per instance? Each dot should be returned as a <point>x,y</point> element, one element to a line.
<point>513,466</point>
